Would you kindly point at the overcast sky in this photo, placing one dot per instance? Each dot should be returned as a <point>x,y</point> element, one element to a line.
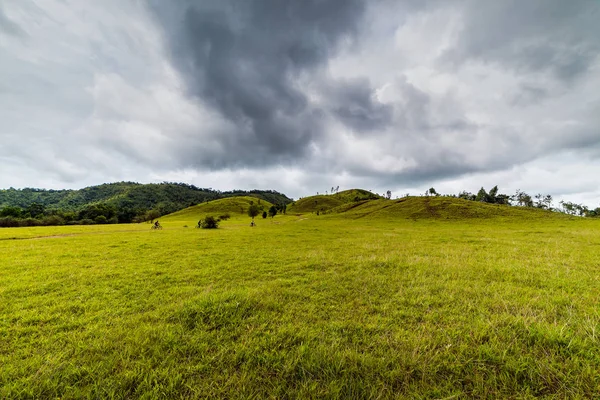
<point>302,95</point>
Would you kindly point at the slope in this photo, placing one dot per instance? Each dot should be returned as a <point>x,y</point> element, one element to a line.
<point>323,203</point>
<point>444,208</point>
<point>234,206</point>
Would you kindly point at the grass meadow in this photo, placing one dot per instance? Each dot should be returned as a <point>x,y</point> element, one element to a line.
<point>333,306</point>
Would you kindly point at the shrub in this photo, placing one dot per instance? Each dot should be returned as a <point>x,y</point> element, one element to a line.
<point>29,222</point>
<point>52,220</point>
<point>224,217</point>
<point>86,221</point>
<point>9,222</point>
<point>209,222</point>
<point>100,219</point>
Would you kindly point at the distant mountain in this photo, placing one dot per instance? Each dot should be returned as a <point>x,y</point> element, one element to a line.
<point>126,199</point>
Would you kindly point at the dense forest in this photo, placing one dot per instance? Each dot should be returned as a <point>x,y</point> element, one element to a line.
<point>120,202</point>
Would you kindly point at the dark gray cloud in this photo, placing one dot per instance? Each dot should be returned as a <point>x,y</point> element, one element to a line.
<point>247,60</point>
<point>556,36</point>
<point>353,102</point>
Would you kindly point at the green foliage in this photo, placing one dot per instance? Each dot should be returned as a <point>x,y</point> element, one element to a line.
<point>152,215</point>
<point>101,219</point>
<point>128,199</point>
<point>209,222</point>
<point>253,210</point>
<point>264,214</point>
<point>11,211</point>
<point>272,211</point>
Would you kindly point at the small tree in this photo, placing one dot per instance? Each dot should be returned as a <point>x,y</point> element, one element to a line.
<point>272,211</point>
<point>482,196</point>
<point>209,222</point>
<point>388,194</point>
<point>264,214</point>
<point>253,211</point>
<point>152,215</point>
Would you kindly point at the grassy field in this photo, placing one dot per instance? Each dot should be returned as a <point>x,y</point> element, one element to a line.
<point>391,299</point>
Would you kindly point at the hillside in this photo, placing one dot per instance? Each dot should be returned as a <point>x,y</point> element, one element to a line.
<point>126,199</point>
<point>324,203</point>
<point>231,205</point>
<point>444,208</point>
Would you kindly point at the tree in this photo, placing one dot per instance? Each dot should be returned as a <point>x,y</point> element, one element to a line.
<point>264,214</point>
<point>432,192</point>
<point>253,211</point>
<point>493,193</point>
<point>35,210</point>
<point>272,211</point>
<point>10,211</point>
<point>209,222</point>
<point>152,215</point>
<point>482,196</point>
<point>388,194</point>
<point>522,199</point>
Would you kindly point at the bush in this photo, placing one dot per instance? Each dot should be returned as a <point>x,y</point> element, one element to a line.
<point>86,221</point>
<point>52,220</point>
<point>29,222</point>
<point>209,222</point>
<point>101,219</point>
<point>224,217</point>
<point>9,222</point>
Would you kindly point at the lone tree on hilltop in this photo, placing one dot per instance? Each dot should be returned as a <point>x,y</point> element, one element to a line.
<point>272,211</point>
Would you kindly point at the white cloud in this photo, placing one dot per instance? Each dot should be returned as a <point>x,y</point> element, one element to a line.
<point>454,95</point>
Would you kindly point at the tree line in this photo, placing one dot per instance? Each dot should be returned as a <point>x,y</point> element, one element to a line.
<point>523,199</point>
<point>121,202</point>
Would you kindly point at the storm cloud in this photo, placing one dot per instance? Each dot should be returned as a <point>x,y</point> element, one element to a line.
<point>249,60</point>
<point>296,95</point>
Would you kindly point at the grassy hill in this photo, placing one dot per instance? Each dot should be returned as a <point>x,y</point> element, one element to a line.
<point>323,203</point>
<point>232,205</point>
<point>444,208</point>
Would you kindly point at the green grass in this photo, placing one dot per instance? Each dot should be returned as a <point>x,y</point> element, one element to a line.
<point>378,301</point>
<point>235,206</point>
<point>327,202</point>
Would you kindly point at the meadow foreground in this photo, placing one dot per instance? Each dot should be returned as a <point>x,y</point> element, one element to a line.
<point>302,307</point>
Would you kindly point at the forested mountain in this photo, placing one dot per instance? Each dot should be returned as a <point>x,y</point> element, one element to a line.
<point>115,202</point>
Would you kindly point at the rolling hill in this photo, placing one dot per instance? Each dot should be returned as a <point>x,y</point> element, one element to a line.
<point>231,205</point>
<point>324,203</point>
<point>444,208</point>
<point>358,203</point>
